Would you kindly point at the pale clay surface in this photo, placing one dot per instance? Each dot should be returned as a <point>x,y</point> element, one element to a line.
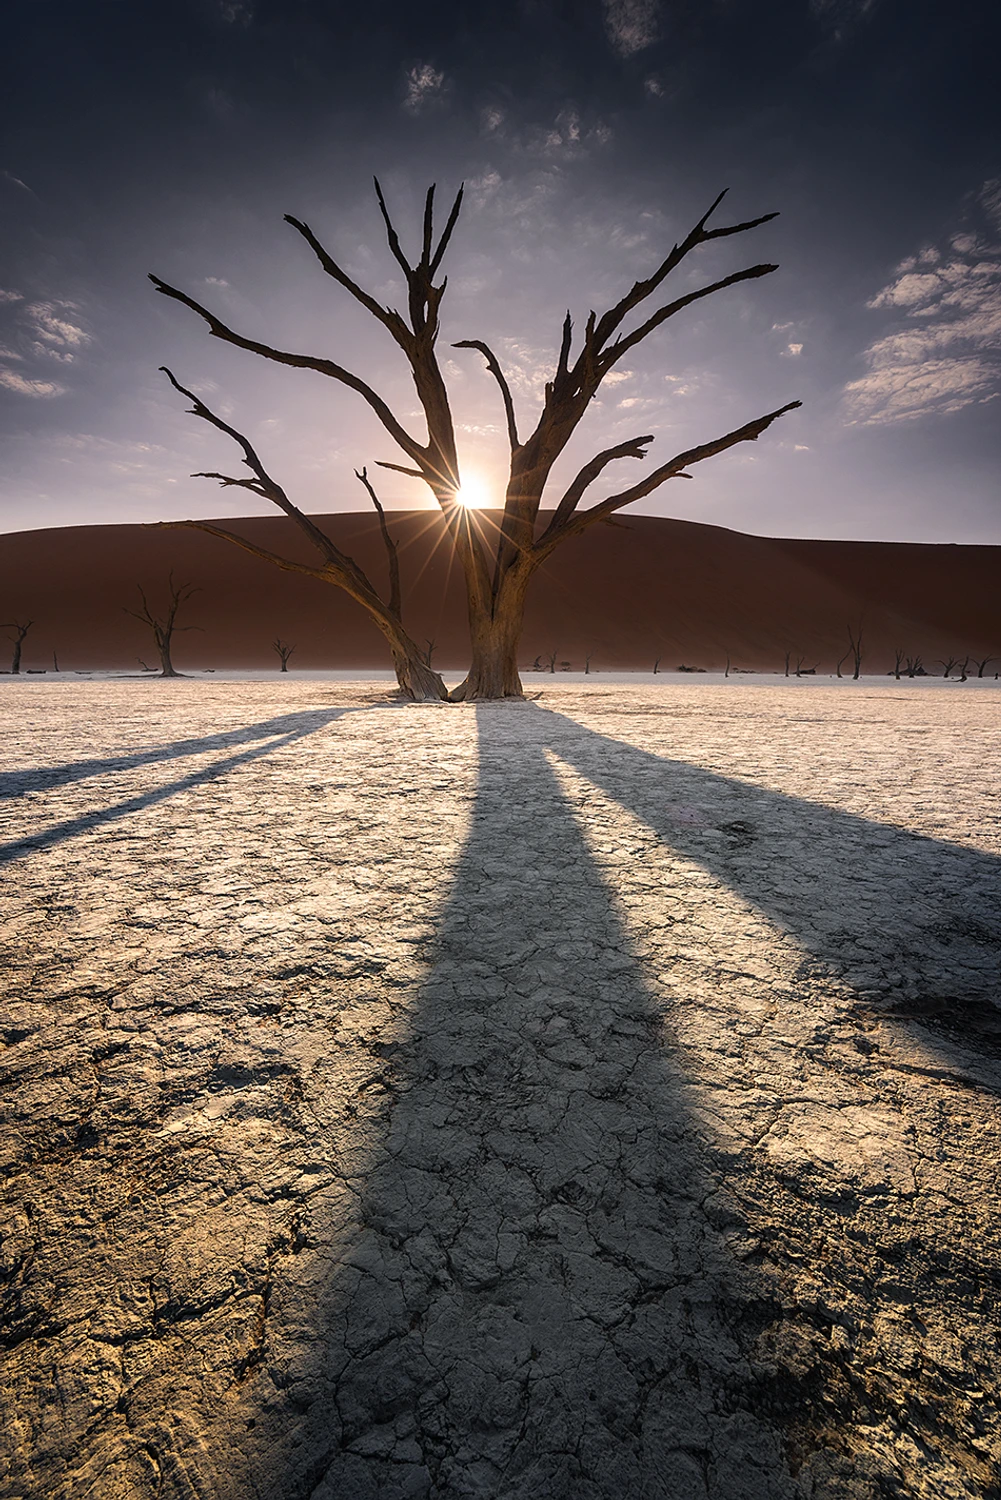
<point>594,1097</point>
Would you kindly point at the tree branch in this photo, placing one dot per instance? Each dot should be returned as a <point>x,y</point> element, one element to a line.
<point>494,367</point>
<point>616,351</point>
<point>579,520</point>
<point>219,330</point>
<point>386,316</point>
<point>447,234</point>
<point>640,290</point>
<point>634,448</point>
<point>239,541</point>
<point>392,548</point>
<point>263,485</point>
<point>391,235</point>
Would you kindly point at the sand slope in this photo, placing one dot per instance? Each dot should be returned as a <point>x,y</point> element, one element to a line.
<point>645,588</point>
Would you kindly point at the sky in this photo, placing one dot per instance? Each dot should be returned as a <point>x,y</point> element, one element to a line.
<point>590,135</point>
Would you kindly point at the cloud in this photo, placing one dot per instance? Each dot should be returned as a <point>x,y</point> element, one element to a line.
<point>941,352</point>
<point>49,323</point>
<point>25,387</point>
<point>631,24</point>
<point>793,349</point>
<point>236,12</point>
<point>425,86</point>
<point>216,281</point>
<point>10,296</point>
<point>16,182</point>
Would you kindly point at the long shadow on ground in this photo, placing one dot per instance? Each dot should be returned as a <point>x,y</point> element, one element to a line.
<point>275,734</point>
<point>536,1295</point>
<point>42,778</point>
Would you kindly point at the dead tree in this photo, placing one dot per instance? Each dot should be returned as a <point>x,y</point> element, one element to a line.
<point>166,627</point>
<point>914,667</point>
<point>727,671</point>
<point>499,568</point>
<point>429,646</point>
<point>788,655</point>
<point>854,650</point>
<point>551,659</point>
<point>963,673</point>
<point>948,664</point>
<point>980,662</point>
<point>17,640</point>
<point>898,661</point>
<point>587,664</point>
<point>415,677</point>
<point>656,665</point>
<point>284,651</point>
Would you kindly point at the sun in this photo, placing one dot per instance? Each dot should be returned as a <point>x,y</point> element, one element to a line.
<point>475,492</point>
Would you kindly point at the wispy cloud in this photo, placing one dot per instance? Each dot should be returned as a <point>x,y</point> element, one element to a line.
<point>236,12</point>
<point>941,351</point>
<point>12,380</point>
<point>425,86</point>
<point>631,24</point>
<point>16,182</point>
<point>51,324</point>
<point>43,331</point>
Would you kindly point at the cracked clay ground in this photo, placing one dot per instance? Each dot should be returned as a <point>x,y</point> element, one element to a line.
<point>583,1099</point>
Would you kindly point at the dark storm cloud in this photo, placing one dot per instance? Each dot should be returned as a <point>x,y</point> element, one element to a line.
<point>590,135</point>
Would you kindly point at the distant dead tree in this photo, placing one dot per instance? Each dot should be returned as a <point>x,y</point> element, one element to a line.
<point>587,664</point>
<point>429,651</point>
<point>802,671</point>
<point>854,650</point>
<point>898,660</point>
<point>498,569</point>
<point>981,662</point>
<point>17,640</point>
<point>551,659</point>
<point>164,628</point>
<point>963,673</point>
<point>727,672</point>
<point>284,651</point>
<point>948,663</point>
<point>788,655</point>
<point>55,662</point>
<point>537,665</point>
<point>914,667</point>
<point>656,665</point>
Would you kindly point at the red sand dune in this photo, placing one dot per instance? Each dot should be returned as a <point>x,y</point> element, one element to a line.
<point>628,594</point>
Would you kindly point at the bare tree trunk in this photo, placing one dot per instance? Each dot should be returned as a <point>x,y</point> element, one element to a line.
<point>166,665</point>
<point>493,671</point>
<point>17,641</point>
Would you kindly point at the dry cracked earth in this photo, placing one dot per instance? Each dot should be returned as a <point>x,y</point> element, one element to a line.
<point>593,1097</point>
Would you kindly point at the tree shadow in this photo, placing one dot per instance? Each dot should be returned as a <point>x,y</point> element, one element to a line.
<point>910,924</point>
<point>534,1296</point>
<point>287,730</point>
<point>549,1283</point>
<point>43,778</point>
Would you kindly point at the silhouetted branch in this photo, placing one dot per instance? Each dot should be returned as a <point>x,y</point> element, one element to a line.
<point>576,522</point>
<point>494,367</point>
<point>395,601</point>
<point>219,330</point>
<point>386,316</point>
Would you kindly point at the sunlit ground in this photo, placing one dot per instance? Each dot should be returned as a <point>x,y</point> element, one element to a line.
<point>588,1097</point>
